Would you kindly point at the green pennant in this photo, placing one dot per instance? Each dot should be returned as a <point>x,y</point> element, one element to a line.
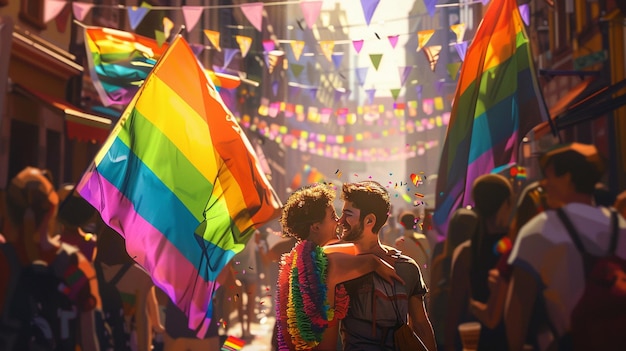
<point>453,69</point>
<point>296,69</point>
<point>160,37</point>
<point>395,93</point>
<point>376,60</point>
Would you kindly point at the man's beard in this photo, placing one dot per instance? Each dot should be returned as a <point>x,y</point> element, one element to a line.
<point>354,234</point>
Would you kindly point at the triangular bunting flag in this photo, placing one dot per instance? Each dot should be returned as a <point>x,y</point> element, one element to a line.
<point>395,93</point>
<point>430,7</point>
<point>167,27</point>
<point>80,10</point>
<point>244,44</point>
<point>294,91</point>
<point>296,69</point>
<point>453,69</point>
<point>313,92</point>
<point>358,45</point>
<point>369,6</point>
<point>376,60</point>
<point>439,85</point>
<point>274,58</point>
<point>432,54</point>
<point>214,38</point>
<point>404,73</point>
<point>485,2</point>
<point>297,46</point>
<point>229,53</point>
<point>423,37</point>
<point>51,9</point>
<point>137,14</point>
<point>393,40</point>
<point>275,87</point>
<point>268,45</point>
<point>192,15</point>
<point>461,49</point>
<point>418,90</point>
<point>337,57</point>
<point>254,14</point>
<point>327,48</point>
<point>459,30</point>
<point>361,74</point>
<point>311,11</point>
<point>159,36</point>
<point>525,13</point>
<point>61,19</point>
<point>370,95</point>
<point>196,48</point>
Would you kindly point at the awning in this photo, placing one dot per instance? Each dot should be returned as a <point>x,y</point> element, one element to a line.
<point>563,104</point>
<point>80,125</point>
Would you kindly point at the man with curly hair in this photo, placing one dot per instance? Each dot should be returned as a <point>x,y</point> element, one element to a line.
<point>310,299</point>
<point>377,308</point>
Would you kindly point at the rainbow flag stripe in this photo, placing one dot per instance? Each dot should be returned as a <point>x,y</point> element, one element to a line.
<point>119,63</point>
<point>233,343</point>
<point>179,180</point>
<point>497,102</point>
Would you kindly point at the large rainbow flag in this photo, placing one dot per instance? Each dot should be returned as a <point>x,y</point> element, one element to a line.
<point>179,180</point>
<point>120,61</point>
<point>497,102</point>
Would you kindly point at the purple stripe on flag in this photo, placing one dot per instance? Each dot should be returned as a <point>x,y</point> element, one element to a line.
<point>153,251</point>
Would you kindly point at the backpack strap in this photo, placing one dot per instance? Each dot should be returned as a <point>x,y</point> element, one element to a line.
<point>118,276</point>
<point>573,233</point>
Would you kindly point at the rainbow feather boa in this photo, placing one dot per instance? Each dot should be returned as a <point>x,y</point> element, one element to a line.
<point>302,309</point>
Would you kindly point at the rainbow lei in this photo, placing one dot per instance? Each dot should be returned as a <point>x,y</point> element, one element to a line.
<point>302,308</point>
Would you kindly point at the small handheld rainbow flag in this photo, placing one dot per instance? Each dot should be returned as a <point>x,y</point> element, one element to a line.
<point>233,344</point>
<point>179,180</point>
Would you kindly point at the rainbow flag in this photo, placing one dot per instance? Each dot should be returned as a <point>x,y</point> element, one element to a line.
<point>119,63</point>
<point>497,102</point>
<point>233,343</point>
<point>179,180</point>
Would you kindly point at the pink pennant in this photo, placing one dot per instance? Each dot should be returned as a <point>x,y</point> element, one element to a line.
<point>61,19</point>
<point>268,45</point>
<point>52,8</point>
<point>358,45</point>
<point>254,14</point>
<point>311,11</point>
<point>192,16</point>
<point>80,10</point>
<point>393,40</point>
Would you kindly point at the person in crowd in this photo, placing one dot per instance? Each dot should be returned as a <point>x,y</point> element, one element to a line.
<point>378,307</point>
<point>548,266</point>
<point>390,231</point>
<point>531,202</point>
<point>136,318</point>
<point>493,203</point>
<point>309,301</point>
<point>462,225</point>
<point>414,244</point>
<point>51,295</point>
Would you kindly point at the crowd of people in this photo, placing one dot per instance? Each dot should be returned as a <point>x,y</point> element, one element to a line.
<point>542,269</point>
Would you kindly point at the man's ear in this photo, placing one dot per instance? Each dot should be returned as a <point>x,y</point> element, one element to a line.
<point>370,219</point>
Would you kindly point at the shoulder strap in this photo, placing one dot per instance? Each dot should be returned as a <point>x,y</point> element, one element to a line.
<point>571,230</point>
<point>576,238</point>
<point>118,276</point>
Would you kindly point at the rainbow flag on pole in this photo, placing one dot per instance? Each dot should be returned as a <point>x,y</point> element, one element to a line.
<point>119,63</point>
<point>179,180</point>
<point>497,102</point>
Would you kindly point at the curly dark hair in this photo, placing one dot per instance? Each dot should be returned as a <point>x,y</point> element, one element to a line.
<point>305,206</point>
<point>369,197</point>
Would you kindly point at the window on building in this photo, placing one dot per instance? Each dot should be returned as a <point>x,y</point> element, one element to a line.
<point>31,12</point>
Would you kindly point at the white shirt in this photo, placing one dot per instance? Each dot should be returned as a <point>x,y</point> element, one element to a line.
<point>545,249</point>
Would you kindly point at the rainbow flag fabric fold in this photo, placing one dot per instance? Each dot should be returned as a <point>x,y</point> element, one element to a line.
<point>497,101</point>
<point>119,63</point>
<point>179,180</point>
